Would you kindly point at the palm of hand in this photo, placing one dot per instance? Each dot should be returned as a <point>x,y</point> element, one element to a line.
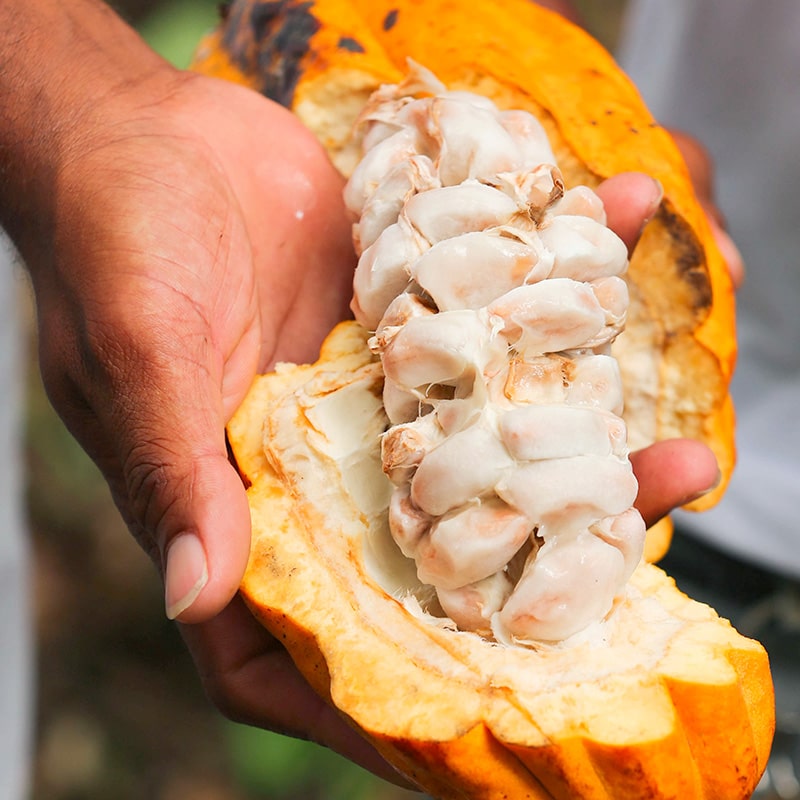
<point>182,265</point>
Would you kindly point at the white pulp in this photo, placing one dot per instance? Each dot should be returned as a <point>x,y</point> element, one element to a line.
<point>494,294</point>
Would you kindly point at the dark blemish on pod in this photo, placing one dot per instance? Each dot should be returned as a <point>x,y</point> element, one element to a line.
<point>690,265</point>
<point>282,31</point>
<point>390,20</point>
<point>350,44</point>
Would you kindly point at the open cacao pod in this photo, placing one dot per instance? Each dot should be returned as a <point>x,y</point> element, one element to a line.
<point>662,699</point>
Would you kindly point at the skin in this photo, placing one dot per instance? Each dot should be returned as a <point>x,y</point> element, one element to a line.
<point>174,252</point>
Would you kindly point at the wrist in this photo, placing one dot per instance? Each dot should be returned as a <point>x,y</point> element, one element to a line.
<point>65,70</point>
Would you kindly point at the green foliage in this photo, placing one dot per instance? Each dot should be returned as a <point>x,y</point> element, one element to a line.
<point>282,768</point>
<point>174,28</point>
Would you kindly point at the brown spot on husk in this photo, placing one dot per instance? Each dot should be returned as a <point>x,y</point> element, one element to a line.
<point>690,265</point>
<point>271,39</point>
<point>350,44</point>
<point>390,20</point>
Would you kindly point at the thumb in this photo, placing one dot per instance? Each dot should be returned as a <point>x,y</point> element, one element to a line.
<point>204,539</point>
<point>153,419</point>
<point>185,496</point>
<point>631,200</point>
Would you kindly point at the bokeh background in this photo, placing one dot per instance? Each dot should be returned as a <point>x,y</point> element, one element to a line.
<point>121,713</point>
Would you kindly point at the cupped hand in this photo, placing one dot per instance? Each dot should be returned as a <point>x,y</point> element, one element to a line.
<point>199,236</point>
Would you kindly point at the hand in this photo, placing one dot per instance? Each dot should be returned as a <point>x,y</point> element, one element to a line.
<point>199,235</point>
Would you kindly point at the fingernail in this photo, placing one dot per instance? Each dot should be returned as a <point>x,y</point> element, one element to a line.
<point>186,573</point>
<point>704,492</point>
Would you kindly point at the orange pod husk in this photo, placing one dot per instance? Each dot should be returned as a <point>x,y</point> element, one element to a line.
<point>661,700</point>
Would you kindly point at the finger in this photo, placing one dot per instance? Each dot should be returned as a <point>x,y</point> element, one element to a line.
<point>160,418</point>
<point>730,252</point>
<point>672,473</point>
<point>183,489</point>
<point>700,166</point>
<point>631,200</point>
<point>206,541</point>
<point>252,679</point>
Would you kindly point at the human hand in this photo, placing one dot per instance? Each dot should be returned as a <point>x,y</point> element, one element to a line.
<point>199,236</point>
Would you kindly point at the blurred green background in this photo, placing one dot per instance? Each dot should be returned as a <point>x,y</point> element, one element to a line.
<point>121,713</point>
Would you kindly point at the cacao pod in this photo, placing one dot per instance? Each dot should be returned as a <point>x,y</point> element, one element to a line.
<point>666,700</point>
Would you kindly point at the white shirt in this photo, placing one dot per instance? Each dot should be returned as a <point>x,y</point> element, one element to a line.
<point>16,665</point>
<point>728,72</point>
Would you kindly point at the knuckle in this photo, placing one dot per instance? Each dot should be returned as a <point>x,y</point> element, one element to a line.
<point>153,484</point>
